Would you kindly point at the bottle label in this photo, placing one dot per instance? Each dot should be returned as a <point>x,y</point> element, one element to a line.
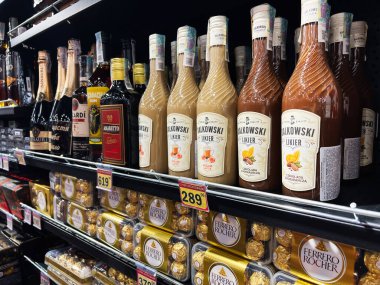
<point>279,35</point>
<point>300,135</point>
<point>80,119</point>
<point>254,131</point>
<point>341,33</point>
<point>358,40</point>
<point>262,26</point>
<point>316,11</point>
<point>202,47</point>
<point>93,102</point>
<point>351,159</point>
<point>330,168</point>
<point>145,139</point>
<point>186,39</point>
<point>112,121</point>
<point>180,131</point>
<point>217,35</point>
<point>368,134</point>
<point>212,140</point>
<point>39,140</point>
<point>157,50</point>
<point>61,138</point>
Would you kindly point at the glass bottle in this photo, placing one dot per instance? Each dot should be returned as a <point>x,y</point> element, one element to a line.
<point>181,119</point>
<point>202,41</point>
<point>312,112</point>
<point>39,122</point>
<point>174,71</point>
<point>259,111</point>
<point>81,147</point>
<point>153,111</point>
<point>13,88</point>
<point>3,81</point>
<point>98,85</point>
<point>61,118</point>
<point>279,49</point>
<point>297,45</point>
<point>127,55</point>
<point>119,120</point>
<point>242,64</point>
<point>139,79</point>
<point>352,112</point>
<point>367,96</point>
<point>3,39</point>
<point>216,111</point>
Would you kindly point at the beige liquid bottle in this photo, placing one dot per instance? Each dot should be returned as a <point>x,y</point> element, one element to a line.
<point>182,104</point>
<point>174,70</point>
<point>216,112</point>
<point>153,110</point>
<point>202,41</point>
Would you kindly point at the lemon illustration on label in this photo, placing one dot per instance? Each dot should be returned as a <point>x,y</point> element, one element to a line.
<point>292,161</point>
<point>248,157</point>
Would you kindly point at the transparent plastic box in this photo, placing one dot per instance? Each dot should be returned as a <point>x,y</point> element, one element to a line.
<point>104,275</point>
<point>59,209</point>
<point>284,278</point>
<point>42,198</point>
<point>163,251</point>
<point>55,182</point>
<point>77,190</point>
<point>81,218</point>
<point>122,201</point>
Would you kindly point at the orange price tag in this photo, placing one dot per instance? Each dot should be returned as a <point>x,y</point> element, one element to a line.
<point>193,194</point>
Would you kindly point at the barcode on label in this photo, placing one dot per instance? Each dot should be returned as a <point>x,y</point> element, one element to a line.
<point>188,59</point>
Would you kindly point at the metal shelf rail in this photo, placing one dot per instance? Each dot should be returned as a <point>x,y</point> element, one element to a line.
<point>40,267</point>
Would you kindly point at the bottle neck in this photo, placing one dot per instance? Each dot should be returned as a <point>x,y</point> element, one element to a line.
<point>156,75</point>
<point>358,55</point>
<point>72,76</point>
<point>310,39</point>
<point>61,79</point>
<point>44,87</point>
<point>336,53</point>
<point>218,59</point>
<point>260,51</point>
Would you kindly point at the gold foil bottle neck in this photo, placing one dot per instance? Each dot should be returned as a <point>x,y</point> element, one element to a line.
<point>117,69</point>
<point>139,73</point>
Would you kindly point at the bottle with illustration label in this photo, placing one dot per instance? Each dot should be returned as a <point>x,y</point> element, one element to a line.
<point>202,42</point>
<point>81,147</point>
<point>340,26</point>
<point>181,119</point>
<point>98,85</point>
<point>61,118</point>
<point>312,112</point>
<point>153,111</point>
<point>216,111</point>
<point>174,70</point>
<point>367,98</point>
<point>243,64</point>
<point>297,44</point>
<point>139,79</point>
<point>119,119</point>
<point>39,122</point>
<point>259,111</point>
<point>280,31</point>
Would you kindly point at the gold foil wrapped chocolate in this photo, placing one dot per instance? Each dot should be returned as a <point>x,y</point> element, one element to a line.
<point>144,199</point>
<point>178,270</point>
<point>372,262</point>
<point>181,209</point>
<point>91,229</point>
<point>127,247</point>
<point>202,216</point>
<point>185,223</point>
<point>77,190</point>
<point>284,237</point>
<point>179,252</point>
<point>370,279</point>
<point>198,260</point>
<point>131,210</point>
<point>127,232</point>
<point>198,278</point>
<point>261,232</point>
<point>174,223</point>
<point>133,196</point>
<point>259,278</point>
<point>281,257</point>
<point>201,231</point>
<point>137,253</point>
<point>92,215</point>
<point>138,236</point>
<point>112,272</point>
<point>255,249</point>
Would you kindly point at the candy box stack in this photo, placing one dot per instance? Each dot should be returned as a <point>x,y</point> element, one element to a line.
<point>77,190</point>
<point>122,201</point>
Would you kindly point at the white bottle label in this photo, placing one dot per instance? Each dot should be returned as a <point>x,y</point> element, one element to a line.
<point>80,120</point>
<point>212,140</point>
<point>254,131</point>
<point>180,131</point>
<point>145,139</point>
<point>300,135</point>
<point>329,168</point>
<point>351,159</point>
<point>368,134</point>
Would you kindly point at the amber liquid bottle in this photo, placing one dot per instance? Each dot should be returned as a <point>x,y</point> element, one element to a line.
<point>311,121</point>
<point>279,49</point>
<point>39,122</point>
<point>216,112</point>
<point>174,70</point>
<point>297,45</point>
<point>139,79</point>
<point>340,64</point>
<point>242,64</point>
<point>182,104</point>
<point>202,42</point>
<point>153,111</point>
<point>259,111</point>
<point>367,97</point>
<point>3,82</point>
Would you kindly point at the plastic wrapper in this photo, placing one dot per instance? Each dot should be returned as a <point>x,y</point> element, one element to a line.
<point>15,193</point>
<point>210,264</point>
<point>249,239</point>
<point>81,218</point>
<point>42,198</point>
<point>106,275</point>
<point>77,190</point>
<point>167,215</point>
<point>162,251</point>
<point>59,209</point>
<point>116,231</point>
<point>121,201</point>
<point>55,182</point>
<point>284,278</point>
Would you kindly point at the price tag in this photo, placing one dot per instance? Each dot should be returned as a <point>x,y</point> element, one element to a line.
<point>20,155</point>
<point>36,220</point>
<point>6,163</point>
<point>193,194</point>
<point>146,276</point>
<point>44,280</point>
<point>28,216</point>
<point>104,179</point>
<point>10,222</point>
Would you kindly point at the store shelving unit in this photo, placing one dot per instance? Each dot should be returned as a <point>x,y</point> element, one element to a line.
<point>40,267</point>
<point>13,113</point>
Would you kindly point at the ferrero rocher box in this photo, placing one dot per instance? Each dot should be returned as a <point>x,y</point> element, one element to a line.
<point>314,259</point>
<point>372,264</point>
<point>167,215</point>
<point>81,218</point>
<point>163,251</point>
<point>77,190</point>
<point>110,276</point>
<point>211,265</point>
<point>42,198</point>
<point>284,278</point>
<point>116,231</point>
<point>122,201</point>
<point>251,240</point>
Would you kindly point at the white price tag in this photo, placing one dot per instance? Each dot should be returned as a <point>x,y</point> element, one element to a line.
<point>36,220</point>
<point>146,275</point>
<point>28,216</point>
<point>6,163</point>
<point>20,155</point>
<point>10,222</point>
<point>44,280</point>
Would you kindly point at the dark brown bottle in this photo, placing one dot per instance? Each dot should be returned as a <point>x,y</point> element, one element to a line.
<point>139,79</point>
<point>358,60</point>
<point>119,120</point>
<point>242,65</point>
<point>3,39</point>
<point>297,45</point>
<point>279,49</point>
<point>13,88</point>
<point>3,82</point>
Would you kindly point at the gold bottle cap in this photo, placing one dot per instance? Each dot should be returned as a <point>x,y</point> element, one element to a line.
<point>117,68</point>
<point>139,73</point>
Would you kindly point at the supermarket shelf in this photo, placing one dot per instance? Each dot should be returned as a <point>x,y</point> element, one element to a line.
<point>40,267</point>
<point>4,213</point>
<point>325,220</point>
<point>96,249</point>
<point>17,112</point>
<point>51,21</point>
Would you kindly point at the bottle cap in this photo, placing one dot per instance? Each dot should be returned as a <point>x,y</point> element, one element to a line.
<point>85,64</point>
<point>62,56</point>
<point>202,42</point>
<point>358,37</point>
<point>218,26</point>
<point>262,20</point>
<point>173,51</point>
<point>157,50</point>
<point>118,68</point>
<point>139,73</point>
<point>279,31</point>
<point>2,31</point>
<point>186,40</point>
<point>340,28</point>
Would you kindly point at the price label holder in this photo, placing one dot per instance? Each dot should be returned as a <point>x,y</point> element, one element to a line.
<point>193,194</point>
<point>20,156</point>
<point>145,275</point>
<point>6,163</point>
<point>37,220</point>
<point>10,222</point>
<point>104,178</point>
<point>27,216</point>
<point>44,280</point>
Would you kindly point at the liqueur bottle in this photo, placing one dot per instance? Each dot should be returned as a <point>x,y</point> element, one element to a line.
<point>174,71</point>
<point>3,39</point>
<point>80,111</point>
<point>139,79</point>
<point>3,81</point>
<point>153,111</point>
<point>352,112</point>
<point>127,55</point>
<point>202,41</point>
<point>39,123</point>
<point>358,61</point>
<point>61,118</point>
<point>119,120</point>
<point>98,85</point>
<point>216,111</point>
<point>312,112</point>
<point>12,75</point>
<point>259,111</point>
<point>181,119</point>
<point>297,44</point>
<point>279,49</point>
<point>242,64</point>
